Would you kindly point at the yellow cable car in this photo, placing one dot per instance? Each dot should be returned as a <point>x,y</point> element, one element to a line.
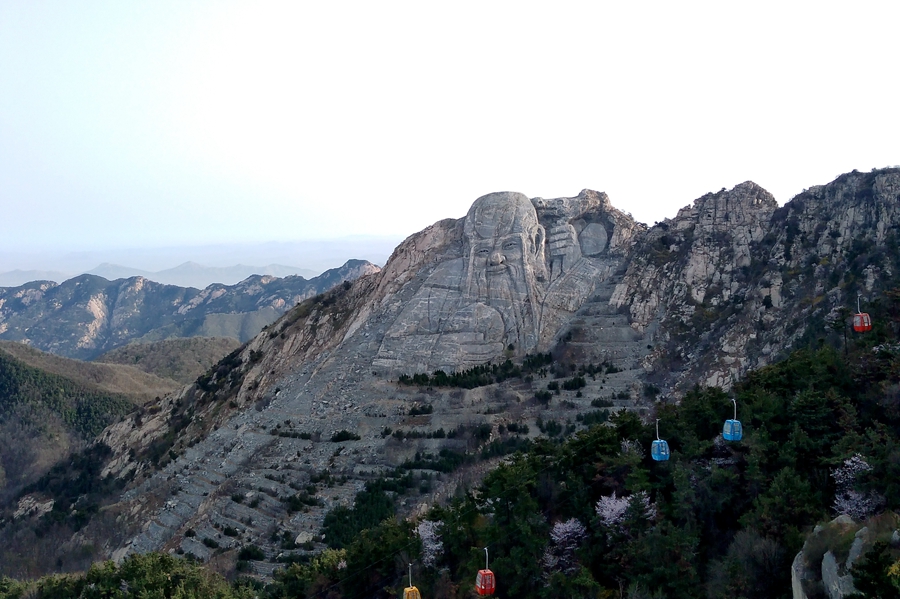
<point>411,592</point>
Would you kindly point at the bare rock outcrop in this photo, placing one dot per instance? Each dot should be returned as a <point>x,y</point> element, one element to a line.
<point>824,565</point>
<point>734,281</point>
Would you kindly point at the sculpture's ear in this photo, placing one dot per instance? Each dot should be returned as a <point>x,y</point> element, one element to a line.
<point>537,258</point>
<point>539,236</point>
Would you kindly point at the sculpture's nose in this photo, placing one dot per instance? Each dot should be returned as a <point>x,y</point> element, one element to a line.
<point>497,258</point>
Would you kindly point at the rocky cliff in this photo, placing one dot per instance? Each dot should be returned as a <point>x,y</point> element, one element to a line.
<point>823,566</point>
<point>734,281</point>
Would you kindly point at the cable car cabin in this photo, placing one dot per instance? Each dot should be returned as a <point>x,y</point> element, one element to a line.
<point>485,583</point>
<point>411,593</point>
<point>660,450</point>
<point>732,431</point>
<point>862,322</point>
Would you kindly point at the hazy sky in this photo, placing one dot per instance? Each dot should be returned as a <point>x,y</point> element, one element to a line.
<point>165,123</point>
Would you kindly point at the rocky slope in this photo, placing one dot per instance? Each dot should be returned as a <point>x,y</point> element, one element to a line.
<point>729,284</point>
<point>88,315</point>
<point>260,425</point>
<point>823,567</point>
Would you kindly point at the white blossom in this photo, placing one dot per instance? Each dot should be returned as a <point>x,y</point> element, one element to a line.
<point>846,475</point>
<point>858,506</point>
<point>847,500</point>
<point>432,545</point>
<point>565,538</point>
<point>614,511</point>
<point>568,535</point>
<point>549,562</point>
<point>611,510</point>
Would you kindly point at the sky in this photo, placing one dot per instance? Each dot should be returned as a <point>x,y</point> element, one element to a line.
<point>179,123</point>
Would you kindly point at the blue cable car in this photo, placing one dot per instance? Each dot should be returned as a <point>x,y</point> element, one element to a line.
<point>733,431</point>
<point>659,451</point>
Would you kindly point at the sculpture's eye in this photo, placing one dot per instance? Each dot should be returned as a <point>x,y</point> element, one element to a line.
<point>510,245</point>
<point>484,252</point>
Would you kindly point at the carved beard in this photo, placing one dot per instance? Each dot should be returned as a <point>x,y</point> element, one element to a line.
<point>506,289</point>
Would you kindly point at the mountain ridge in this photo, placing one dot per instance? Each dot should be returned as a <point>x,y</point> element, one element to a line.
<point>121,379</point>
<point>179,359</point>
<point>186,274</point>
<point>88,315</point>
<point>193,274</point>
<point>638,314</point>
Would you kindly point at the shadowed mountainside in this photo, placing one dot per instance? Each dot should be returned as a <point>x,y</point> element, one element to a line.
<point>45,416</point>
<point>139,385</point>
<point>182,360</point>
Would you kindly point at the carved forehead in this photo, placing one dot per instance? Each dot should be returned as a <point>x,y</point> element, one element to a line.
<point>499,214</point>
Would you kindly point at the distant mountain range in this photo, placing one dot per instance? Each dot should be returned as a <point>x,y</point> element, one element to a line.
<point>189,274</point>
<point>315,256</point>
<point>88,315</point>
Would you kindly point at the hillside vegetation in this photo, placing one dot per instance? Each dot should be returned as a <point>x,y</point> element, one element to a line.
<point>182,360</point>
<point>595,516</point>
<point>140,385</point>
<point>44,416</point>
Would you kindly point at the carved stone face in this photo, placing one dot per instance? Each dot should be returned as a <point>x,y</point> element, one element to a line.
<point>503,255</point>
<point>497,291</point>
<point>505,262</point>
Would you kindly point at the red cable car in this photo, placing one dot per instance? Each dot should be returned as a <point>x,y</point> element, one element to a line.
<point>862,322</point>
<point>485,582</point>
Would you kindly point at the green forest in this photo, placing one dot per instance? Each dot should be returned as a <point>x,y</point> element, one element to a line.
<point>592,515</point>
<point>27,392</point>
